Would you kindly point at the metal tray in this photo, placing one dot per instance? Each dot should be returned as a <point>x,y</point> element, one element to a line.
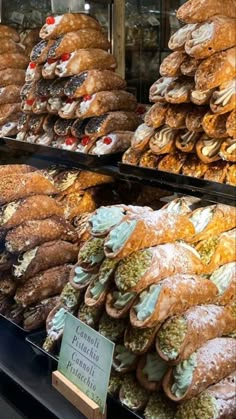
<point>17,326</point>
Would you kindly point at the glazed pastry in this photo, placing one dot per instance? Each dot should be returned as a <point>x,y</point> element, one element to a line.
<point>15,313</point>
<point>147,230</point>
<point>53,105</point>
<point>90,315</point>
<point>62,127</point>
<point>124,361</point>
<point>218,399</point>
<point>93,81</point>
<point>85,59</point>
<point>173,295</point>
<point>143,268</point>
<point>150,371</point>
<point>179,91</point>
<point>215,125</point>
<point>10,94</point>
<point>72,41</point>
<point>225,280</point>
<point>186,141</point>
<point>176,115</point>
<point>44,257</point>
<point>33,72</point>
<point>216,70</point>
<point>131,156</point>
<point>49,122</point>
<point>112,121</point>
<point>201,97</point>
<point>228,150</point>
<point>8,129</point>
<point>69,22</point>
<point>178,39</point>
<point>149,160</point>
<point>118,303</point>
<point>224,98</point>
<point>194,119</point>
<point>12,76</point>
<point>194,167</point>
<point>36,123</point>
<point>34,233</point>
<point>56,88</point>
<point>91,255</point>
<point>217,171</point>
<point>6,261</point>
<point>115,142</point>
<point>173,163</point>
<point>7,110</point>
<point>138,340</point>
<point>68,108</point>
<point>7,284</point>
<point>215,35</point>
<point>35,316</point>
<point>96,293</point>
<point>132,395</point>
<point>208,365</point>
<point>55,326</point>
<point>195,11</point>
<point>156,115</point>
<point>112,329</point>
<point>170,66</point>
<point>103,102</point>
<point>80,279</point>
<point>39,52</point>
<point>208,149</point>
<point>44,285</point>
<point>212,220</point>
<point>231,175</point>
<point>158,89</point>
<point>160,406</point>
<point>49,68</point>
<point>182,335</point>
<point>189,66</point>
<point>13,60</point>
<point>163,141</point>
<point>231,124</point>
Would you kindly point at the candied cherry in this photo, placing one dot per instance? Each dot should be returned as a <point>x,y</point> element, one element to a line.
<point>107,140</point>
<point>32,65</point>
<point>87,97</point>
<point>30,102</point>
<point>85,141</point>
<point>70,140</point>
<point>50,20</point>
<point>51,60</point>
<point>65,56</point>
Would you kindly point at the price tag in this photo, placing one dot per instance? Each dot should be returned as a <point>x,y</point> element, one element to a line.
<point>85,359</point>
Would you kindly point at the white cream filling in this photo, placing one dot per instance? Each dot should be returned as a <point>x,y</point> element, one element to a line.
<point>201,219</point>
<point>188,137</point>
<point>211,147</point>
<point>178,91</point>
<point>223,96</point>
<point>142,132</point>
<point>181,35</point>
<point>31,138</point>
<point>68,181</point>
<point>62,66</point>
<point>190,248</point>
<point>27,107</point>
<point>41,105</point>
<point>232,148</point>
<point>200,94</point>
<point>202,34</point>
<point>24,262</point>
<point>85,104</point>
<point>50,28</point>
<point>45,138</point>
<point>8,212</point>
<point>68,108</point>
<point>163,137</point>
<point>6,128</point>
<point>49,69</point>
<point>20,136</point>
<point>55,103</point>
<point>162,86</point>
<point>102,148</point>
<point>29,74</point>
<point>2,90</point>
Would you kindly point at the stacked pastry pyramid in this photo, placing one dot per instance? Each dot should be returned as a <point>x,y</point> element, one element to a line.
<point>191,128</point>
<point>160,285</point>
<point>72,98</point>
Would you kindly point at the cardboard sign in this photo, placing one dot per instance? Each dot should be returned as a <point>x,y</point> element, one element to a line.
<point>85,359</point>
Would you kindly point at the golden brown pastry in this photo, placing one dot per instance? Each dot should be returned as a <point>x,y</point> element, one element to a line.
<point>178,39</point>
<point>131,156</point>
<point>231,124</point>
<point>208,149</point>
<point>163,141</point>
<point>158,89</point>
<point>201,97</point>
<point>176,115</point>
<point>194,11</point>
<point>112,121</point>
<point>10,94</point>
<point>12,76</point>
<point>194,118</point>
<point>214,125</point>
<point>8,110</point>
<point>217,171</point>
<point>189,66</point>
<point>231,175</point>
<point>170,66</point>
<point>149,160</point>
<point>156,115</point>
<point>13,60</point>
<point>224,98</point>
<point>186,141</point>
<point>8,32</point>
<point>173,162</point>
<point>179,91</point>
<point>194,167</point>
<point>228,150</point>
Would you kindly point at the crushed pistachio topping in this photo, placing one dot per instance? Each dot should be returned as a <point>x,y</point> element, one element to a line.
<point>88,315</point>
<point>138,339</point>
<point>155,368</point>
<point>70,297</point>
<point>115,382</point>
<point>107,267</point>
<point>160,407</point>
<point>131,269</point>
<point>112,329</point>
<point>120,300</point>
<point>133,395</point>
<point>203,406</point>
<point>92,252</point>
<point>207,249</point>
<point>124,357</point>
<point>48,344</point>
<point>171,336</point>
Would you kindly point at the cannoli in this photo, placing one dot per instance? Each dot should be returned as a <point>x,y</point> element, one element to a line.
<point>115,383</point>
<point>218,399</point>
<point>68,143</point>
<point>208,149</point>
<point>80,279</point>
<point>176,115</point>
<point>224,98</point>
<point>5,303</point>
<point>72,41</point>
<point>33,72</point>
<point>70,298</point>
<point>123,360</point>
<point>112,329</point>
<point>53,105</point>
<point>49,122</point>
<point>96,293</point>
<point>28,91</point>
<point>208,365</point>
<point>6,260</point>
<point>80,223</point>
<point>148,229</point>
<point>211,221</point>
<point>139,341</point>
<point>178,39</point>
<point>7,284</point>
<point>115,142</point>
<point>8,129</point>
<point>13,60</point>
<point>149,160</point>
<point>69,22</point>
<point>35,316</point>
<point>173,163</point>
<point>158,89</point>
<point>170,66</point>
<point>7,111</point>
<point>78,128</point>
<point>194,119</point>
<point>69,108</point>
<point>39,52</point>
<point>8,32</point>
<point>194,167</point>
<point>215,125</point>
<point>36,123</point>
<point>78,181</point>
<point>179,91</point>
<point>15,313</point>
<point>39,105</point>
<point>228,150</point>
<point>201,97</point>
<point>90,315</point>
<point>160,406</point>
<point>10,94</point>
<point>23,123</point>
<point>12,76</point>
<point>156,115</point>
<point>195,11</point>
<point>217,171</point>
<point>85,59</point>
<point>30,39</point>
<point>44,257</point>
<point>112,121</point>
<point>56,88</point>
<point>216,70</point>
<point>163,141</point>
<point>45,139</point>
<point>44,285</point>
<point>118,303</point>
<point>225,280</point>
<point>85,144</point>
<point>231,175</point>
<point>171,296</point>
<point>62,127</point>
<point>93,81</point>
<point>182,335</point>
<point>231,124</point>
<point>132,395</point>
<point>55,323</point>
<point>150,371</point>
<point>189,66</point>
<point>43,88</point>
<point>33,233</point>
<point>91,255</point>
<point>13,188</point>
<point>49,68</point>
<point>186,141</point>
<point>131,156</point>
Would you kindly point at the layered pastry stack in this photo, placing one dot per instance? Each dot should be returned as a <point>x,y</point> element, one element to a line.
<point>191,129</point>
<point>161,286</point>
<point>73,99</point>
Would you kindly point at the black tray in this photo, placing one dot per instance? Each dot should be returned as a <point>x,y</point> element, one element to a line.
<point>210,191</point>
<point>17,326</point>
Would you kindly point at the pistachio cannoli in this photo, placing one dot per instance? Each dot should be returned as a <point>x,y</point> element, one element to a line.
<point>170,66</point>
<point>217,171</point>
<point>173,162</point>
<point>96,293</point>
<point>35,316</point>
<point>179,91</point>
<point>132,394</point>
<point>118,303</point>
<point>186,141</point>
<point>231,124</point>
<point>156,115</point>
<point>110,122</point>
<point>150,371</point>
<point>123,360</point>
<point>112,329</point>
<point>199,11</point>
<point>178,39</point>
<point>115,383</point>
<point>55,326</point>
<point>158,89</point>
<point>91,255</point>
<point>90,315</point>
<point>228,150</point>
<point>223,99</point>
<point>70,298</point>
<point>225,280</point>
<point>80,279</point>
<point>159,406</point>
<point>139,341</point>
<point>208,149</point>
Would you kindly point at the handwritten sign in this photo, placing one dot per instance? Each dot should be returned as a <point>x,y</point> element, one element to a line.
<point>85,359</point>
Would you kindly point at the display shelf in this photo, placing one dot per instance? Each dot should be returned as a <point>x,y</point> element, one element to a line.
<point>17,326</point>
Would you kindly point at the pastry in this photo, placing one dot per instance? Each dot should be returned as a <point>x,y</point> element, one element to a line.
<point>131,156</point>
<point>15,313</point>
<point>112,121</point>
<point>77,181</point>
<point>39,105</point>
<point>194,11</point>
<point>39,52</point>
<point>224,98</point>
<point>12,76</point>
<point>7,284</point>
<point>183,205</point>
<point>150,371</point>
<point>8,32</point>
<point>80,279</point>
<point>231,124</point>
<point>44,285</point>
<point>112,329</point>
<point>124,361</point>
<point>231,175</point>
<point>201,97</point>
<point>7,110</point>
<point>56,88</point>
<point>118,303</point>
<point>208,149</point>
<point>173,162</point>
<point>132,395</point>
<point>225,280</point>
<point>91,255</point>
<point>49,68</point>
<point>85,59</point>
<point>35,316</point>
<point>208,365</point>
<point>10,94</point>
<point>10,60</point>
<point>160,406</point>
<point>70,298</point>
<point>62,127</point>
<point>228,150</point>
<point>53,105</point>
<point>170,66</point>
<point>93,81</point>
<point>217,171</point>
<point>194,119</point>
<point>194,167</point>
<point>72,41</point>
<point>138,340</point>
<point>48,122</point>
<point>115,142</point>
<point>68,108</point>
<point>8,129</point>
<point>179,91</point>
<point>33,72</point>
<point>23,124</point>
<point>217,34</point>
<point>189,66</point>
<point>215,125</point>
<point>43,88</point>
<point>34,233</point>
<point>78,129</point>
<point>55,323</point>
<point>45,139</point>
<point>5,303</point>
<point>31,38</point>
<point>156,115</point>
<point>186,141</point>
<point>96,293</point>
<point>176,115</point>
<point>149,160</point>
<point>158,89</point>
<point>163,141</point>
<point>6,260</point>
<point>178,39</point>
<point>36,123</point>
<point>90,315</point>
<point>28,91</point>
<point>69,144</point>
<point>216,70</point>
<point>69,22</point>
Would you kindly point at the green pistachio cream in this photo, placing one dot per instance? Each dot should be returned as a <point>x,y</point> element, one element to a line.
<point>155,368</point>
<point>120,234</point>
<point>171,336</point>
<point>123,358</point>
<point>92,252</point>
<point>82,277</point>
<point>106,270</point>
<point>203,406</point>
<point>160,407</point>
<point>120,300</point>
<point>147,302</point>
<point>138,339</point>
<point>183,375</point>
<point>70,297</point>
<point>133,395</point>
<point>112,329</point>
<point>131,269</point>
<point>97,289</point>
<point>223,276</point>
<point>105,218</point>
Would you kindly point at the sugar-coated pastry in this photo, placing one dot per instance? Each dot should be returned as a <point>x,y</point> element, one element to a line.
<point>163,140</point>
<point>160,406</point>
<point>186,141</point>
<point>156,115</point>
<point>12,76</point>
<point>10,94</point>
<point>173,162</point>
<point>208,149</point>
<point>170,66</point>
<point>13,169</point>
<point>231,124</point>
<point>189,66</point>
<point>176,115</point>
<point>194,11</point>
<point>224,98</point>
<point>141,137</point>
<point>149,160</point>
<point>214,125</point>
<point>201,97</point>
<point>178,39</point>
<point>195,117</point>
<point>13,60</point>
<point>8,110</point>
<point>112,121</point>
<point>179,91</point>
<point>228,150</point>
<point>231,175</point>
<point>115,142</point>
<point>8,32</point>
<point>131,156</point>
<point>158,89</point>
<point>194,167</point>
<point>217,171</point>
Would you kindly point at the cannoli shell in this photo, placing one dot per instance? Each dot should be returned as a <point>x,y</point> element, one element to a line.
<point>116,364</point>
<point>217,171</point>
<point>7,284</point>
<point>15,313</point>
<point>179,91</point>
<point>170,66</point>
<point>6,112</point>
<point>189,66</point>
<point>215,125</point>
<point>231,124</point>
<point>8,32</point>
<point>90,315</point>
<point>215,360</point>
<point>13,60</point>
<point>173,162</point>
<point>194,11</point>
<point>140,402</point>
<point>142,379</point>
<point>158,89</point>
<point>201,97</point>
<point>40,51</point>
<point>112,121</point>
<point>13,169</point>
<point>117,313</point>
<point>163,141</point>
<point>146,335</point>
<point>35,316</point>
<point>231,175</point>
<point>85,180</point>
<point>131,156</point>
<point>223,100</point>
<point>203,323</point>
<point>194,119</point>
<point>141,137</point>
<point>194,167</point>
<point>176,115</point>
<point>119,141</point>
<point>62,127</point>
<point>10,94</point>
<point>33,72</point>
<point>149,160</point>
<point>23,125</point>
<point>156,115</point>
<point>57,87</point>
<point>91,301</point>
<point>228,296</point>
<point>186,141</point>
<point>178,39</point>
<point>208,149</point>
<point>77,203</point>
<point>12,76</point>
<point>228,150</point>
<point>68,109</point>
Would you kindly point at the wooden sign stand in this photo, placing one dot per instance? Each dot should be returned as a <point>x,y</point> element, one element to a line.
<point>75,396</point>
